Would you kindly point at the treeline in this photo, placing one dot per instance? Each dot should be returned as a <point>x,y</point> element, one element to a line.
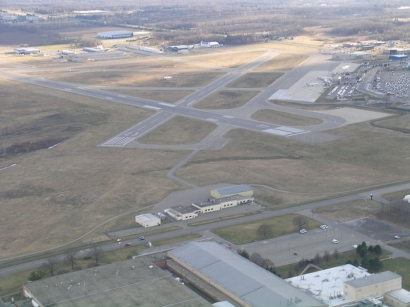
<point>399,212</point>
<point>256,258</point>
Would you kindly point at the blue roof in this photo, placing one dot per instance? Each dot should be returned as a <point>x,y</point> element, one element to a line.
<point>234,189</point>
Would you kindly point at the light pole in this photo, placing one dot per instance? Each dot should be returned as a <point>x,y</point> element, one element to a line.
<point>289,247</point>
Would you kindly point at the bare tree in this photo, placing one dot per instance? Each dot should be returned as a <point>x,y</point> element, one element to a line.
<point>96,253</point>
<point>268,264</point>
<point>300,222</point>
<point>264,231</point>
<point>70,257</point>
<point>336,254</point>
<point>316,259</point>
<point>326,256</point>
<point>51,265</point>
<point>256,258</point>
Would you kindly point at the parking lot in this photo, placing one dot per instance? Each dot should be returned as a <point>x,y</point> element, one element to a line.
<point>393,83</point>
<point>377,229</point>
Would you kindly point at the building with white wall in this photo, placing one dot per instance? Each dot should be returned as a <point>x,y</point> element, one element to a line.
<point>148,220</point>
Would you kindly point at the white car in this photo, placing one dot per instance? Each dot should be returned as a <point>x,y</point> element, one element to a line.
<point>324,227</point>
<point>354,246</point>
<point>335,241</point>
<point>303,231</point>
<point>397,237</point>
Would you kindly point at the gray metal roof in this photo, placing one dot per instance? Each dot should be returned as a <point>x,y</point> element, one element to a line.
<point>234,189</point>
<point>241,277</point>
<point>372,279</point>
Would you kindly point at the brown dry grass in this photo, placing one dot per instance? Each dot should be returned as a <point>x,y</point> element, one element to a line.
<point>255,80</point>
<point>179,130</point>
<point>283,118</point>
<point>401,123</point>
<point>53,196</point>
<point>226,99</point>
<point>283,61</point>
<point>170,96</point>
<point>147,79</point>
<point>359,160</point>
<point>350,211</point>
<point>229,58</point>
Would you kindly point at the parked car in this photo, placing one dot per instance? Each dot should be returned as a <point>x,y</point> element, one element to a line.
<point>303,231</point>
<point>335,241</point>
<point>397,237</point>
<point>324,227</point>
<point>354,246</point>
<point>142,238</point>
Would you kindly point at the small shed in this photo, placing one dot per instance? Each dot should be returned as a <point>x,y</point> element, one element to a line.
<point>148,220</point>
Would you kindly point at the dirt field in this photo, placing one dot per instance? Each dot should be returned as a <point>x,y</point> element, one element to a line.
<point>226,100</point>
<point>179,130</point>
<point>283,118</point>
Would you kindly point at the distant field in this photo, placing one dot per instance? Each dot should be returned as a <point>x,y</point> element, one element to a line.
<point>359,160</point>
<point>350,211</point>
<point>396,195</point>
<point>52,180</point>
<point>283,118</point>
<point>258,79</point>
<point>169,96</point>
<point>179,130</point>
<point>148,79</point>
<point>226,99</point>
<point>224,57</point>
<point>244,233</point>
<point>283,61</point>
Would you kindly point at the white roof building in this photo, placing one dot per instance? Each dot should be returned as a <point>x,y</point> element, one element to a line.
<point>148,220</point>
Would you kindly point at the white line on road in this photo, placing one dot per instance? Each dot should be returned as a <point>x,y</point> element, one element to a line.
<point>14,164</point>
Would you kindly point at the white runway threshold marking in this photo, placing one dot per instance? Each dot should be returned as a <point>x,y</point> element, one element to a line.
<point>119,141</point>
<point>167,104</point>
<point>150,107</point>
<point>285,131</point>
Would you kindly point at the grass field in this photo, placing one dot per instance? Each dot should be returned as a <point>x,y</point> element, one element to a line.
<point>350,211</point>
<point>244,233</point>
<point>399,195</point>
<point>52,181</point>
<point>359,160</point>
<point>282,61</point>
<point>229,58</point>
<point>226,99</point>
<point>169,96</point>
<point>283,118</point>
<point>255,80</point>
<point>146,79</point>
<point>179,130</point>
<point>400,123</point>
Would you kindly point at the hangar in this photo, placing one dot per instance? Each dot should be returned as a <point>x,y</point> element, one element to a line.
<point>398,57</point>
<point>148,220</point>
<point>115,34</point>
<point>238,278</point>
<point>242,190</point>
<point>26,51</point>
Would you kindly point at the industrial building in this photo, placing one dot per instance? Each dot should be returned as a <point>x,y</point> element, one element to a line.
<point>215,204</point>
<point>242,190</point>
<point>221,271</point>
<point>398,57</point>
<point>135,282</point>
<point>148,220</point>
<point>115,34</point>
<point>26,51</point>
<point>210,44</point>
<point>182,212</point>
<point>346,285</point>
